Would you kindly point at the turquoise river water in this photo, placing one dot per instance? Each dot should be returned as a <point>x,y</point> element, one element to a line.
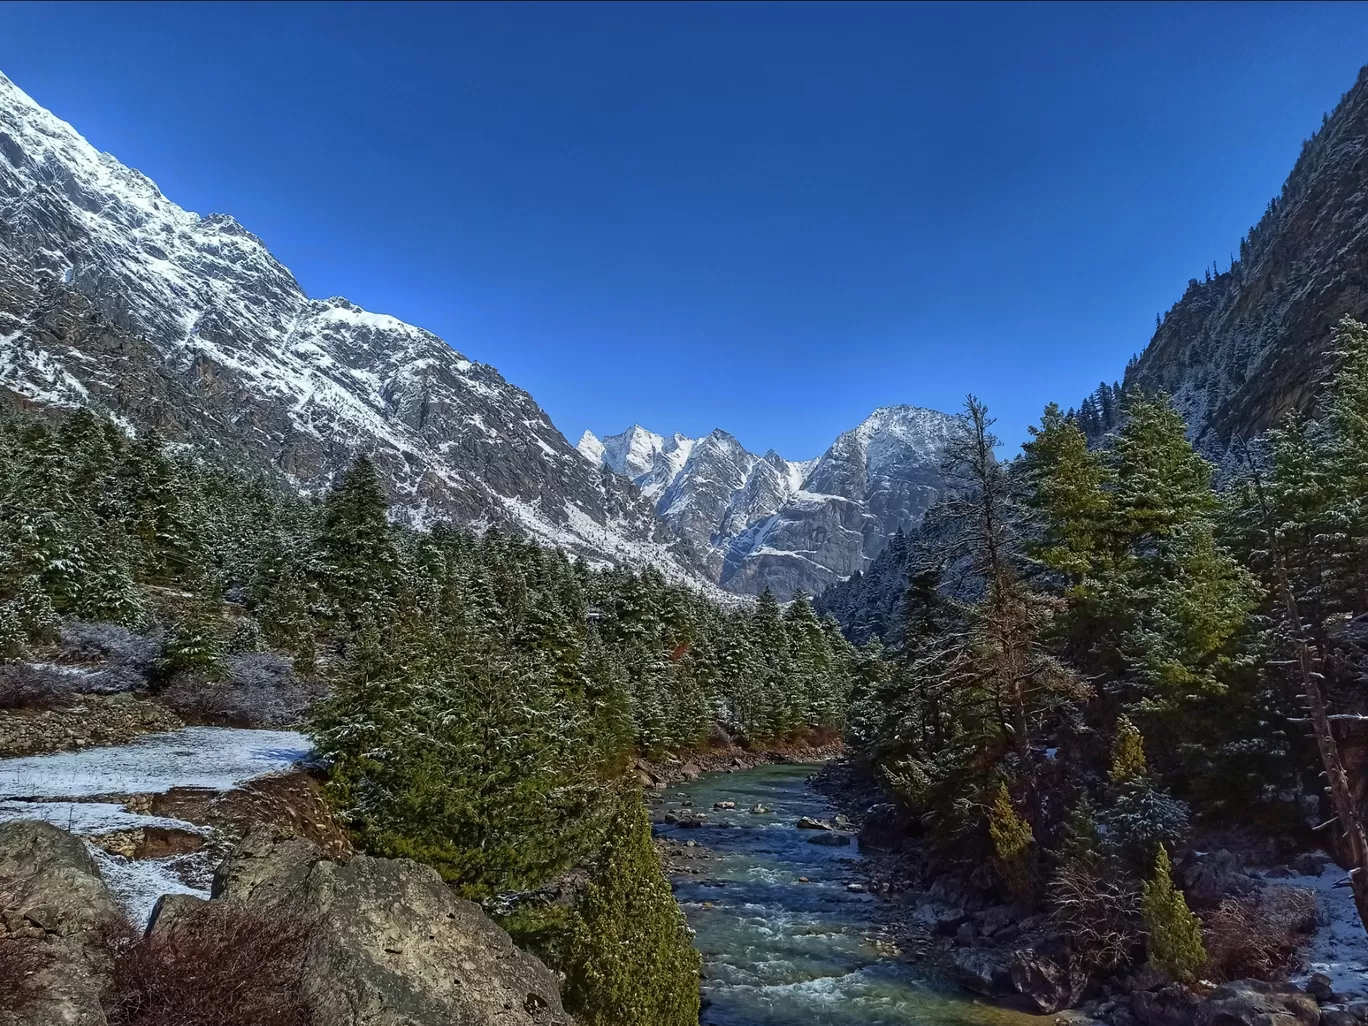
<point>777,952</point>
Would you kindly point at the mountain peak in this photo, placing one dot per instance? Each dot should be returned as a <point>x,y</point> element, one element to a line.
<point>217,345</point>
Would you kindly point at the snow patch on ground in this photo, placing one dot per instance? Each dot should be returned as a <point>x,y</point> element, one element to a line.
<point>138,883</point>
<point>217,758</point>
<point>1339,947</point>
<point>90,819</point>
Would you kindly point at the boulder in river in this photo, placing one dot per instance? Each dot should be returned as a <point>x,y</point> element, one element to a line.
<point>982,971</point>
<point>831,840</point>
<point>1048,984</point>
<point>724,805</point>
<point>809,823</point>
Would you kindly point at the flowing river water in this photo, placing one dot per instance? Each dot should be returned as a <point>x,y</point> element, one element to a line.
<point>779,952</point>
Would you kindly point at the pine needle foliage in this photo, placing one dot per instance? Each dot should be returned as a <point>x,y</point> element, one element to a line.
<point>1173,931</point>
<point>631,960</point>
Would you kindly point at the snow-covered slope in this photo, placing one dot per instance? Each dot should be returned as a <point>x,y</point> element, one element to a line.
<point>113,296</point>
<point>765,521</point>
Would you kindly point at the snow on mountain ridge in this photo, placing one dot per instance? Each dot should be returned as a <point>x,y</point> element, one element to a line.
<point>793,525</point>
<point>112,295</point>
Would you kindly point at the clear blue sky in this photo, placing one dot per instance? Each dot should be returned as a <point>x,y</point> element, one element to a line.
<point>766,218</point>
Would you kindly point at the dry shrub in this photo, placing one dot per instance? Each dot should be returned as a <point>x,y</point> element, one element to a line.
<point>1259,938</point>
<point>258,689</point>
<point>1099,907</point>
<point>217,965</point>
<point>28,687</point>
<point>20,958</point>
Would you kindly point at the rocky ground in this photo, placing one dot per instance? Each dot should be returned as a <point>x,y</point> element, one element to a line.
<point>87,721</point>
<point>361,943</point>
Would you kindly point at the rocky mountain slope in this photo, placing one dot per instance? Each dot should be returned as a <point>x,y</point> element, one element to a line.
<point>1242,348</point>
<point>114,297</point>
<point>757,522</point>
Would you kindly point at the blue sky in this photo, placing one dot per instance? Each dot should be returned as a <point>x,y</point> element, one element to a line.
<point>766,218</point>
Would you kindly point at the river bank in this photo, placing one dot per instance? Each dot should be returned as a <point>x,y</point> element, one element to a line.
<point>950,913</point>
<point>725,755</point>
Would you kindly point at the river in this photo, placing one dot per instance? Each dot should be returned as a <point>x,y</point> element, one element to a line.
<point>778,952</point>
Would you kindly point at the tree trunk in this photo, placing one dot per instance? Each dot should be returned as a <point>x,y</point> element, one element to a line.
<point>1342,798</point>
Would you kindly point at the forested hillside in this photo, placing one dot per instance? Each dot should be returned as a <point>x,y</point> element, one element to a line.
<point>1099,658</point>
<point>488,695</point>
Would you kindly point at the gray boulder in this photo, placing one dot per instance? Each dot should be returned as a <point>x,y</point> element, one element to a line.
<point>1214,875</point>
<point>1048,984</point>
<point>982,971</point>
<point>392,945</point>
<point>55,906</point>
<point>1252,1003</point>
<point>830,840</point>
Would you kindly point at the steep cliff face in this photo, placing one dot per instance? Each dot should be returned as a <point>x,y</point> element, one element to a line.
<point>1245,347</point>
<point>757,522</point>
<point>113,296</point>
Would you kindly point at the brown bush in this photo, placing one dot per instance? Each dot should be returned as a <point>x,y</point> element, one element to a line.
<point>216,965</point>
<point>1258,938</point>
<point>258,689</point>
<point>20,958</point>
<point>1099,907</point>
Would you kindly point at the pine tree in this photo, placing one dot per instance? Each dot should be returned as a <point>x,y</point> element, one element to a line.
<point>1174,931</point>
<point>1005,636</point>
<point>359,563</point>
<point>1346,418</point>
<point>631,959</point>
<point>1068,495</point>
<point>1172,603</point>
<point>288,621</point>
<point>1128,752</point>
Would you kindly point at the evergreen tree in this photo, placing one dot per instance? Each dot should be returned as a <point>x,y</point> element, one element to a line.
<point>358,560</point>
<point>631,960</point>
<point>1174,931</point>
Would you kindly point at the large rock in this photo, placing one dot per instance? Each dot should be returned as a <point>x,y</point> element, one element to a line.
<point>54,904</point>
<point>392,945</point>
<point>1173,1005</point>
<point>1048,984</point>
<point>1252,1003</point>
<point>982,971</point>
<point>1209,877</point>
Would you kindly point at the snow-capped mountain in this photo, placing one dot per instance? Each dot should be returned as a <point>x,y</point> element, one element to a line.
<point>113,296</point>
<point>645,458</point>
<point>1243,347</point>
<point>765,521</point>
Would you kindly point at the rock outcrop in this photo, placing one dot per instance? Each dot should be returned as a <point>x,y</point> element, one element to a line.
<point>391,944</point>
<point>1244,347</point>
<point>54,912</point>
